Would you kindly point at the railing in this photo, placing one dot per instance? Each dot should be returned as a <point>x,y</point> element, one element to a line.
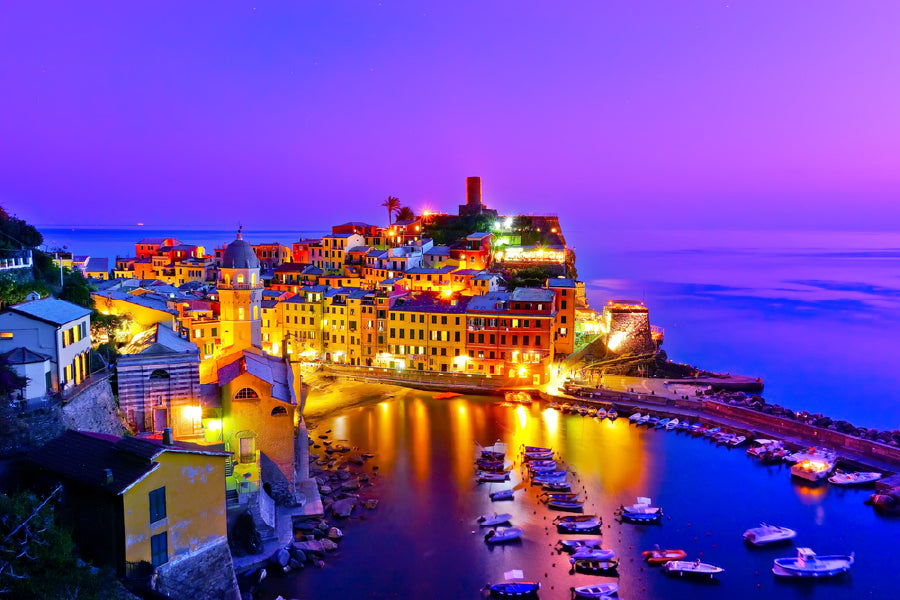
<point>429,378</point>
<point>240,286</point>
<point>15,259</point>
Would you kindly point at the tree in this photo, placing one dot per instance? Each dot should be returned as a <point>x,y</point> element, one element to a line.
<point>405,214</point>
<point>76,290</point>
<point>393,205</point>
<point>16,233</point>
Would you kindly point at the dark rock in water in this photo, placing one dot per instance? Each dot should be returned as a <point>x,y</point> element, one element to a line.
<point>329,545</point>
<point>351,485</point>
<point>344,507</point>
<point>297,554</point>
<point>323,437</point>
<point>280,557</point>
<point>311,547</point>
<point>319,564</point>
<point>295,564</point>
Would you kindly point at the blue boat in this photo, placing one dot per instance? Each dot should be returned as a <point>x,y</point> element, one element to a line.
<point>542,466</point>
<point>684,425</point>
<point>549,477</point>
<point>652,421</point>
<point>570,505</point>
<point>578,523</point>
<point>515,589</point>
<point>640,512</point>
<point>559,486</point>
<point>662,423</point>
<point>808,564</point>
<point>536,449</point>
<point>502,495</point>
<point>713,431</point>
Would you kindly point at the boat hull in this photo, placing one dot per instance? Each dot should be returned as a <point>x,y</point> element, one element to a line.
<point>515,589</point>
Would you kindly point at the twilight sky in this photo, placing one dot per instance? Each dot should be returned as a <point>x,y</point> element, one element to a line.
<point>728,114</point>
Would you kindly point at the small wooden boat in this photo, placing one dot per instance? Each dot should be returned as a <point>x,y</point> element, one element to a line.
<point>542,465</point>
<point>765,535</point>
<point>446,395</point>
<point>571,505</point>
<point>808,564</point>
<point>660,557</point>
<point>692,568</point>
<point>662,423</point>
<point>488,477</point>
<point>502,495</point>
<point>601,413</point>
<point>672,424</point>
<point>501,535</point>
<point>644,419</point>
<point>592,412</point>
<point>612,414</point>
<point>594,554</point>
<point>572,546</point>
<point>494,519</point>
<point>515,589</point>
<point>635,417</point>
<point>602,590</point>
<point>652,421</point>
<point>536,449</point>
<point>761,445</point>
<point>737,440</point>
<point>548,496</point>
<point>684,425</point>
<point>711,431</point>
<point>537,455</point>
<point>495,466</point>
<point>594,567</point>
<point>640,512</point>
<point>696,428</point>
<point>578,523</point>
<point>548,477</point>
<point>561,486</point>
<point>855,478</point>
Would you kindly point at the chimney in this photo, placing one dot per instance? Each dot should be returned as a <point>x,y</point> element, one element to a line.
<point>108,476</point>
<point>473,191</point>
<point>168,439</point>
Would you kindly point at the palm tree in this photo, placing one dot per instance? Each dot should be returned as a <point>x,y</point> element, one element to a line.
<point>393,205</point>
<point>405,214</point>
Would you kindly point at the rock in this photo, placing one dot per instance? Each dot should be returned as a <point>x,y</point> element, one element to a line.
<point>313,547</point>
<point>344,507</point>
<point>295,564</point>
<point>344,475</point>
<point>371,503</point>
<point>325,489</point>
<point>329,545</point>
<point>351,485</point>
<point>335,534</point>
<point>297,554</point>
<point>319,564</point>
<point>281,557</point>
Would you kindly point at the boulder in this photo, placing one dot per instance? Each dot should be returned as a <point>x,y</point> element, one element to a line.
<point>344,507</point>
<point>325,489</point>
<point>335,534</point>
<point>297,554</point>
<point>281,557</point>
<point>313,547</point>
<point>329,545</point>
<point>295,564</point>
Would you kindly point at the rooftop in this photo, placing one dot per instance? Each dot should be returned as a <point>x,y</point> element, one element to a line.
<point>51,310</point>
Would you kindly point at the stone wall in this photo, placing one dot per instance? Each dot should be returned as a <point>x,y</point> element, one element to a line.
<point>207,574</point>
<point>629,331</point>
<point>93,409</point>
<point>27,431</point>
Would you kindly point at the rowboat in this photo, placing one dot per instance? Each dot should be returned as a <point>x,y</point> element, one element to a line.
<point>601,413</point>
<point>572,505</point>
<point>640,512</point>
<point>643,419</point>
<point>737,440</point>
<point>662,423</point>
<point>560,486</point>
<point>612,414</point>
<point>501,535</point>
<point>547,497</point>
<point>684,425</point>
<point>811,453</point>
<point>602,590</point>
<point>659,557</point>
<point>635,417</point>
<point>768,534</point>
<point>536,449</point>
<point>548,477</point>
<point>502,495</point>
<point>537,455</point>
<point>446,395</point>
<point>572,546</point>
<point>762,445</point>
<point>577,523</point>
<point>672,424</point>
<point>712,431</point>
<point>695,568</point>
<point>855,478</point>
<point>494,519</point>
<point>515,589</point>
<point>652,421</point>
<point>596,567</point>
<point>807,564</point>
<point>594,554</point>
<point>542,465</point>
<point>486,477</point>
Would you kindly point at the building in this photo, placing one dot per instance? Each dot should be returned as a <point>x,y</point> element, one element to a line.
<point>35,367</point>
<point>54,328</point>
<point>240,296</point>
<point>565,291</point>
<point>474,252</point>
<point>272,254</point>
<point>426,332</point>
<point>130,501</point>
<point>96,268</point>
<point>473,205</point>
<point>144,309</point>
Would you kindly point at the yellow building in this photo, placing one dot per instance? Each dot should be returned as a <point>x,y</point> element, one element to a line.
<point>144,311</point>
<point>303,319</point>
<point>240,296</point>
<point>426,332</point>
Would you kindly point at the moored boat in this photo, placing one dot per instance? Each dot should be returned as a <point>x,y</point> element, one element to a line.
<point>537,455</point>
<point>594,554</point>
<point>446,395</point>
<point>761,445</point>
<point>515,589</point>
<point>536,449</point>
<point>542,465</point>
<point>489,477</point>
<point>556,486</point>
<point>808,564</point>
<point>812,469</point>
<point>811,453</point>
<point>635,417</point>
<point>643,419</point>
<point>662,423</point>
<point>768,534</point>
<point>684,425</point>
<point>711,431</point>
<point>652,421</point>
<point>612,414</point>
<point>548,477</point>
<point>601,413</point>
<point>659,557</point>
<point>855,478</point>
<point>692,568</point>
<point>572,505</point>
<point>596,567</point>
<point>501,535</point>
<point>502,495</point>
<point>672,424</point>
<point>572,546</point>
<point>737,440</point>
<point>578,523</point>
<point>548,496</point>
<point>640,512</point>
<point>494,519</point>
<point>602,590</point>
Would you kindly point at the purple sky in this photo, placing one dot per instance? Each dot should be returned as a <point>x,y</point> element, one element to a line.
<point>727,114</point>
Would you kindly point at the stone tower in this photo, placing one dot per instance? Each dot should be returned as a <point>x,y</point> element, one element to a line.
<point>240,294</point>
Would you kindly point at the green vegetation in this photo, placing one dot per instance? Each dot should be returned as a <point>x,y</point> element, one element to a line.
<point>446,229</point>
<point>392,204</point>
<point>405,214</point>
<point>528,277</point>
<point>37,556</point>
<point>16,234</point>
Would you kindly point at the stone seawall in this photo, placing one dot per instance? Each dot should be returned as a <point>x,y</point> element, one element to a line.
<point>93,409</point>
<point>207,574</point>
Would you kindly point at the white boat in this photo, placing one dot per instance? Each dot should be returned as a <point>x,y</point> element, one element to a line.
<point>577,523</point>
<point>672,424</point>
<point>640,512</point>
<point>811,453</point>
<point>768,534</point>
<point>601,413</point>
<point>737,440</point>
<point>692,568</point>
<point>762,445</point>
<point>502,534</point>
<point>812,469</point>
<point>644,419</point>
<point>635,417</point>
<point>494,519</point>
<point>601,590</point>
<point>571,546</point>
<point>855,478</point>
<point>807,564</point>
<point>594,554</point>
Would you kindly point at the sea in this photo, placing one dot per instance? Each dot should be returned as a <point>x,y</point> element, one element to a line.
<point>814,314</point>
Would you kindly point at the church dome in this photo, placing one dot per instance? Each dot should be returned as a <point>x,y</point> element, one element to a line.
<point>239,255</point>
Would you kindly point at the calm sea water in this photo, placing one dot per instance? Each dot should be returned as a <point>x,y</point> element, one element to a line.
<point>815,314</point>
<point>421,541</point>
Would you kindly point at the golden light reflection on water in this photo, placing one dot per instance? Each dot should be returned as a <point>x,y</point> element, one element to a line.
<point>522,413</point>
<point>421,439</point>
<point>461,430</point>
<point>339,428</point>
<point>809,493</point>
<point>386,442</point>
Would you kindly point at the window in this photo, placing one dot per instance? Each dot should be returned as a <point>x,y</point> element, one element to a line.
<point>537,340</point>
<point>159,549</point>
<point>158,504</point>
<point>246,393</point>
<point>279,411</point>
<point>159,374</point>
<point>563,304</point>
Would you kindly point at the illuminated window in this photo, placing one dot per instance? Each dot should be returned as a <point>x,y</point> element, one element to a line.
<point>6,335</point>
<point>240,278</point>
<point>246,393</point>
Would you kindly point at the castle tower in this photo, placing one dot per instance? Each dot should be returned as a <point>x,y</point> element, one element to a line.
<point>240,294</point>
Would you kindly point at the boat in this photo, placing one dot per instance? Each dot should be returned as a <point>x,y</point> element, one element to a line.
<point>602,590</point>
<point>488,477</point>
<point>537,455</point>
<point>497,451</point>
<point>496,466</point>
<point>640,512</point>
<point>612,414</point>
<point>662,423</point>
<point>557,486</point>
<point>697,428</point>
<point>592,412</point>
<point>652,421</point>
<point>515,589</point>
<point>494,519</point>
<point>577,523</point>
<point>808,564</point>
<point>768,534</point>
<point>737,440</point>
<point>601,413</point>
<point>502,495</point>
<point>573,505</point>
<point>811,453</point>
<point>644,419</point>
<point>712,431</point>
<point>684,425</point>
<point>572,546</point>
<point>855,478</point>
<point>542,465</point>
<point>761,445</point>
<point>596,567</point>
<point>659,557</point>
<point>635,417</point>
<point>547,496</point>
<point>548,477</point>
<point>583,410</point>
<point>692,568</point>
<point>594,554</point>
<point>812,469</point>
<point>502,535</point>
<point>554,405</point>
<point>672,424</point>
<point>446,395</point>
<point>566,407</point>
<point>536,449</point>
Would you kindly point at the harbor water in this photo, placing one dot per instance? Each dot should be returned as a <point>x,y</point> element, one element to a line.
<point>422,540</point>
